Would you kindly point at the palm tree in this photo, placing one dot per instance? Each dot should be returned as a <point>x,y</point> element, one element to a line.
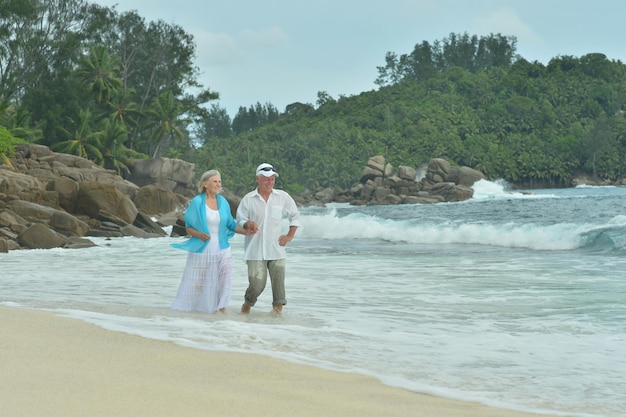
<point>14,129</point>
<point>7,146</point>
<point>112,137</point>
<point>17,121</point>
<point>115,155</point>
<point>123,110</point>
<point>82,141</point>
<point>164,121</point>
<point>98,71</point>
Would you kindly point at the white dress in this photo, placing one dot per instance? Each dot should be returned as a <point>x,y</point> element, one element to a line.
<point>206,282</point>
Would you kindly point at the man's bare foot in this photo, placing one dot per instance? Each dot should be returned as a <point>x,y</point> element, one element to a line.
<point>245,308</point>
<point>277,310</point>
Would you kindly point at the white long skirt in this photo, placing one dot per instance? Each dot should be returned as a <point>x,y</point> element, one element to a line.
<point>206,282</point>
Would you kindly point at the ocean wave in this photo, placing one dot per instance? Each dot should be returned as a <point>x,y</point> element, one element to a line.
<point>534,236</point>
<point>500,189</point>
<point>607,238</point>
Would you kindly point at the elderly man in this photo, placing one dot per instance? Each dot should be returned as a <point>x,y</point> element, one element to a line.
<point>261,212</point>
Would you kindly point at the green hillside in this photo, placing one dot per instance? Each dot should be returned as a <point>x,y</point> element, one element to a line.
<point>111,87</point>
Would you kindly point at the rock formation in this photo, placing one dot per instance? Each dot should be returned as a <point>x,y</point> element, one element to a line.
<point>58,200</point>
<point>51,200</point>
<point>381,183</point>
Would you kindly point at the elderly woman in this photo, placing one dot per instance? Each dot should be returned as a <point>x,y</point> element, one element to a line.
<point>206,282</point>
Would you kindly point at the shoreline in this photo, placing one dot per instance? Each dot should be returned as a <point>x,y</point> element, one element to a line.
<point>58,366</point>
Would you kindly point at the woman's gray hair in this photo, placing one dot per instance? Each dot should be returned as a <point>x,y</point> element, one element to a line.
<point>210,173</point>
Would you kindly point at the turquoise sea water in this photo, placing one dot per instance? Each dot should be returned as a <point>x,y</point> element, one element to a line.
<point>512,299</point>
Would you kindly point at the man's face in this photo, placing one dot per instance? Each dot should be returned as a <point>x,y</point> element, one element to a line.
<point>266,183</point>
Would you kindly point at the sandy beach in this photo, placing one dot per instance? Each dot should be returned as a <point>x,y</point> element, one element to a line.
<point>55,366</point>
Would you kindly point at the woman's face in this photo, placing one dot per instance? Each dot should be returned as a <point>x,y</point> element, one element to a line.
<point>213,185</point>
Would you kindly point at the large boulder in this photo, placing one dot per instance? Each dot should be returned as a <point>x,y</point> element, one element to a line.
<point>15,183</point>
<point>67,190</point>
<point>233,201</point>
<point>58,220</point>
<point>78,243</point>
<point>11,225</point>
<point>95,197</point>
<point>376,167</point>
<point>33,151</point>
<point>466,176</point>
<point>325,195</point>
<point>148,225</point>
<point>39,236</point>
<point>452,192</point>
<point>440,170</point>
<point>407,173</point>
<point>94,173</point>
<point>63,160</point>
<point>174,174</point>
<point>75,197</point>
<point>40,162</point>
<point>8,218</point>
<point>156,199</point>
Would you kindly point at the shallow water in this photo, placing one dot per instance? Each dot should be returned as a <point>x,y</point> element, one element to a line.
<point>509,299</point>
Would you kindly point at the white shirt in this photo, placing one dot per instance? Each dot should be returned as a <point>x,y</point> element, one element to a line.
<point>213,221</point>
<point>269,215</point>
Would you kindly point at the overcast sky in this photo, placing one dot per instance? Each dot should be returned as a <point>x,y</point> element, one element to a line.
<point>285,51</point>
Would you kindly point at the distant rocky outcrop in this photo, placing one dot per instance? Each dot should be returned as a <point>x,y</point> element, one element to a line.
<point>594,181</point>
<point>381,183</point>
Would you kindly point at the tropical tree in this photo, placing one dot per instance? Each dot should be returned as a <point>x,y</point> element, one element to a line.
<point>216,123</point>
<point>123,110</point>
<point>17,121</point>
<point>165,122</point>
<point>99,71</point>
<point>37,38</point>
<point>7,145</point>
<point>114,154</point>
<point>248,119</point>
<point>469,52</point>
<point>82,140</point>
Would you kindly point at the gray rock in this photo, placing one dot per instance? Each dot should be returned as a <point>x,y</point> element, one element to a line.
<point>174,174</point>
<point>39,236</point>
<point>94,198</point>
<point>156,199</point>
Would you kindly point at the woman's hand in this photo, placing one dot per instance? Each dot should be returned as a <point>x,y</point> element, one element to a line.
<point>250,227</point>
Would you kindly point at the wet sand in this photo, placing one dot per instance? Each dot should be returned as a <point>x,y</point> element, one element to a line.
<point>55,366</point>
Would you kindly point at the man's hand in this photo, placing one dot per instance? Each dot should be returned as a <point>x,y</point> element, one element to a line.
<point>284,239</point>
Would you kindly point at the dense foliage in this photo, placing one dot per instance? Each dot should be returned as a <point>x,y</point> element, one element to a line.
<point>104,85</point>
<point>531,124</point>
<point>109,86</point>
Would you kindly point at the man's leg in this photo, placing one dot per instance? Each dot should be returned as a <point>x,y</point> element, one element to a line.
<point>257,278</point>
<point>276,269</point>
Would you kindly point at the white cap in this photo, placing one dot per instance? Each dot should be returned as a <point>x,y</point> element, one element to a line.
<point>266,170</point>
